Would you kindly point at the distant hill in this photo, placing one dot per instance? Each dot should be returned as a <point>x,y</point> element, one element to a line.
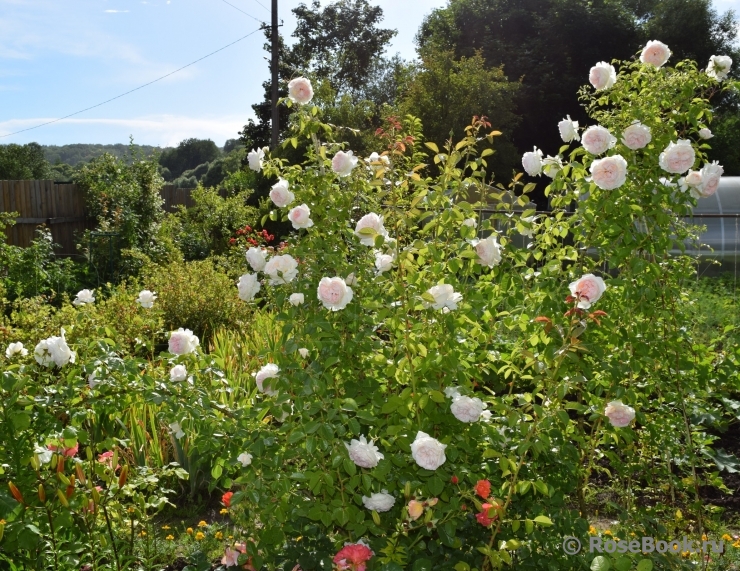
<point>82,153</point>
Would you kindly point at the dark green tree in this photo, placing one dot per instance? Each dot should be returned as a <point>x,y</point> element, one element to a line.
<point>23,162</point>
<point>188,155</point>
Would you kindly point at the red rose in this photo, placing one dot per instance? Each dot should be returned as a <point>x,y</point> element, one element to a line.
<point>226,499</point>
<point>483,518</point>
<point>483,488</point>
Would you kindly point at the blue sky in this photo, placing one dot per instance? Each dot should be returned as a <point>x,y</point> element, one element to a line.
<point>60,56</point>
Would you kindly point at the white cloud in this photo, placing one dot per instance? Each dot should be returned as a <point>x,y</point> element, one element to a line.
<point>118,11</point>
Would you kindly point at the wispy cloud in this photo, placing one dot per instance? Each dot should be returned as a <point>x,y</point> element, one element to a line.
<point>118,11</point>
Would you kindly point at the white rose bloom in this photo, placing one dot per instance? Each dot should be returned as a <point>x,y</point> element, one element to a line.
<point>528,232</point>
<point>146,299</point>
<point>257,258</point>
<point>370,222</point>
<point>92,380</point>
<point>280,194</point>
<point>719,67</point>
<point>705,133</point>
<point>598,139</point>
<point>176,430</point>
<point>248,286</point>
<point>255,159</point>
<point>636,136</point>
<point>281,269</point>
<point>489,252</point>
<point>303,352</point>
<point>84,296</point>
<point>296,299</point>
<point>655,53</point>
<point>569,130</point>
<point>445,297</point>
<point>711,174</point>
<point>452,392</point>
<point>300,90</point>
<point>383,262</point>
<point>351,279</point>
<point>381,502</point>
<point>363,453</point>
<point>551,166</point>
<point>428,452</point>
<point>610,172</point>
<point>602,76</point>
<point>269,371</point>
<point>375,158</point>
<point>677,157</point>
<point>334,293</point>
<point>54,351</point>
<point>467,409</point>
<point>15,349</point>
<point>587,290</point>
<point>343,163</point>
<point>43,454</point>
<point>178,373</point>
<point>620,415</point>
<point>532,162</point>
<point>183,342</point>
<point>300,217</point>
<point>245,458</point>
<point>472,222</point>
<point>486,416</point>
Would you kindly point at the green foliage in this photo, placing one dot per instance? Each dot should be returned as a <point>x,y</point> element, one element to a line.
<point>188,155</point>
<point>78,153</point>
<point>22,162</point>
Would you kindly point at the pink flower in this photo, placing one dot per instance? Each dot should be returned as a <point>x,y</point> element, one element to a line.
<point>415,509</point>
<point>483,518</point>
<point>353,556</point>
<point>230,558</point>
<point>655,53</point>
<point>598,139</point>
<point>483,488</point>
<point>343,163</point>
<point>107,459</point>
<point>280,195</point>
<point>636,136</point>
<point>183,341</point>
<point>710,177</point>
<point>587,290</point>
<point>300,216</point>
<point>334,293</point>
<point>602,76</point>
<point>68,452</point>
<point>677,157</point>
<point>620,415</point>
<point>610,172</point>
<point>300,90</point>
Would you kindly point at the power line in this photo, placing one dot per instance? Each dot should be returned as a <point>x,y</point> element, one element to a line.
<point>245,13</point>
<point>134,89</point>
<point>261,4</point>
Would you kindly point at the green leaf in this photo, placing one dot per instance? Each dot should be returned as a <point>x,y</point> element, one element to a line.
<point>600,563</point>
<point>435,485</point>
<point>462,566</point>
<point>543,520</point>
<point>623,564</point>
<point>422,565</point>
<point>645,565</point>
<point>431,146</point>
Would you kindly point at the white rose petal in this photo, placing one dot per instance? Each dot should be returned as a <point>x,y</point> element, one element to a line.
<point>467,409</point>
<point>636,136</point>
<point>183,342</point>
<point>489,252</point>
<point>610,172</point>
<point>719,67</point>
<point>43,454</point>
<point>300,217</point>
<point>255,159</point>
<point>256,258</point>
<point>248,286</point>
<point>245,458</point>
<point>428,452</point>
<point>269,371</point>
<point>334,293</point>
<point>14,349</point>
<point>655,53</point>
<point>300,90</point>
<point>370,222</point>
<point>620,415</point>
<point>472,222</point>
<point>445,297</point>
<point>597,140</point>
<point>383,262</point>
<point>54,351</point>
<point>176,430</point>
<point>587,290</point>
<point>343,163</point>
<point>705,133</point>
<point>602,76</point>
<point>569,130</point>
<point>363,453</point>
<point>677,157</point>
<point>281,269</point>
<point>280,195</point>
<point>380,502</point>
<point>178,373</point>
<point>452,392</point>
<point>532,162</point>
<point>84,296</point>
<point>296,299</point>
<point>551,166</point>
<point>303,352</point>
<point>146,299</point>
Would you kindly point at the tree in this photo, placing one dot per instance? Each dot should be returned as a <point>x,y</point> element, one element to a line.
<point>23,162</point>
<point>188,155</point>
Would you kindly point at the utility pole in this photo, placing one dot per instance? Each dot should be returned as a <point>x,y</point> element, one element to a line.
<point>275,112</point>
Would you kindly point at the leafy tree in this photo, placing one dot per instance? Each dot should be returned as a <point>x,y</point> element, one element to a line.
<point>77,153</point>
<point>23,162</point>
<point>188,155</point>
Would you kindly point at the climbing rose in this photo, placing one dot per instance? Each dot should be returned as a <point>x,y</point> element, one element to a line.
<point>296,299</point>
<point>334,293</point>
<point>257,258</point>
<point>620,415</point>
<point>710,177</point>
<point>569,130</point>
<point>598,139</point>
<point>84,296</point>
<point>280,194</point>
<point>383,262</point>
<point>343,163</point>
<point>719,67</point>
<point>353,557</point>
<point>610,172</point>
<point>483,488</point>
<point>300,217</point>
<point>483,518</point>
<point>532,162</point>
<point>245,458</point>
<point>372,222</point>
<point>428,452</point>
<point>146,299</point>
<point>655,53</point>
<point>269,371</point>
<point>551,166</point>
<point>415,509</point>
<point>15,349</point>
<point>54,351</point>
<point>281,269</point>
<point>705,133</point>
<point>363,453</point>
<point>380,502</point>
<point>255,159</point>
<point>444,296</point>
<point>467,409</point>
<point>489,252</point>
<point>636,136</point>
<point>248,286</point>
<point>602,76</point>
<point>183,342</point>
<point>300,90</point>
<point>677,157</point>
<point>587,290</point>
<point>178,373</point>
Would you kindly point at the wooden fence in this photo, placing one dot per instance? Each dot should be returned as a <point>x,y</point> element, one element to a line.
<point>62,208</point>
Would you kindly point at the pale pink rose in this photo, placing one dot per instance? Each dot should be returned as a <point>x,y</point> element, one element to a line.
<point>655,53</point>
<point>372,224</point>
<point>677,157</point>
<point>380,502</point>
<point>710,177</point>
<point>415,509</point>
<point>428,452</point>
<point>178,373</point>
<point>692,183</point>
<point>383,262</point>
<point>569,130</point>
<point>467,409</point>
<point>257,258</point>
<point>334,293</point>
<point>719,67</point>
<point>532,162</point>
<point>84,296</point>
<point>296,299</point>
<point>445,298</point>
<point>280,194</point>
<point>610,172</point>
<point>281,269</point>
<point>636,136</point>
<point>489,252</point>
<point>248,286</point>
<point>363,453</point>
<point>705,133</point>
<point>587,290</point>
<point>269,371</point>
<point>551,166</point>
<point>230,558</point>
<point>300,216</point>
<point>183,341</point>
<point>602,76</point>
<point>343,163</point>
<point>300,90</point>
<point>620,415</point>
<point>255,159</point>
<point>598,140</point>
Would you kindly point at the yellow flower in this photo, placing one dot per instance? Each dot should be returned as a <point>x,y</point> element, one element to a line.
<point>219,535</point>
<point>224,511</point>
<point>704,537</point>
<point>736,544</point>
<point>165,527</point>
<point>200,535</point>
<point>202,524</point>
<point>592,530</point>
<point>607,532</point>
<point>131,510</point>
<point>189,531</point>
<point>170,537</point>
<point>727,537</point>
<point>142,533</point>
<point>685,554</point>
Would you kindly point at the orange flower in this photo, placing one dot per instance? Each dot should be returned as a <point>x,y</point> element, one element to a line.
<point>483,488</point>
<point>226,499</point>
<point>415,509</point>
